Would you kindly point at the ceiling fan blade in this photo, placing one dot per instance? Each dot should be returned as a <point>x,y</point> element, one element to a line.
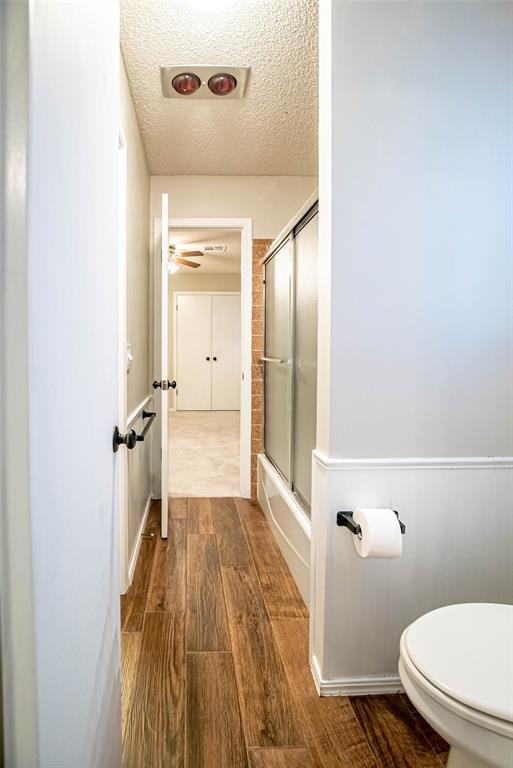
<point>190,253</point>
<point>186,262</point>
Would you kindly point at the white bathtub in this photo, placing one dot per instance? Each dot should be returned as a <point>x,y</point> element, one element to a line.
<point>289,523</point>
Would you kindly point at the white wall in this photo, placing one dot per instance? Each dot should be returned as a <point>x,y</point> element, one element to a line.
<point>422,239</point>
<point>269,200</point>
<point>416,216</point>
<point>137,249</point>
<point>73,398</point>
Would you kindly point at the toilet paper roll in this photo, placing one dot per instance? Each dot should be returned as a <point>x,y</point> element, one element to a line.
<point>381,534</point>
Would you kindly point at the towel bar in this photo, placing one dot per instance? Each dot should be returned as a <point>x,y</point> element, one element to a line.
<point>151,416</point>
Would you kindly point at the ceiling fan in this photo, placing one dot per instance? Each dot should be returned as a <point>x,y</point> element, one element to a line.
<point>178,258</point>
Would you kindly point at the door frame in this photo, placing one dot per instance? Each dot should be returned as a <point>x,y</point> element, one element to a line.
<point>175,327</point>
<point>245,227</point>
<point>124,555</point>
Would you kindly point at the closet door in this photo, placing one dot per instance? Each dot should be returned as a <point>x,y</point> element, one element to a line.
<point>226,369</point>
<point>194,352</point>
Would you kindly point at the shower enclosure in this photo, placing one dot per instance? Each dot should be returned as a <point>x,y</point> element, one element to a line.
<point>290,358</point>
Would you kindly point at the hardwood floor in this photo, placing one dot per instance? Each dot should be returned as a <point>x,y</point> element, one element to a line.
<point>215,670</point>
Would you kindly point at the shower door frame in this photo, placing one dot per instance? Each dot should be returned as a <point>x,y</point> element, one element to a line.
<point>288,235</point>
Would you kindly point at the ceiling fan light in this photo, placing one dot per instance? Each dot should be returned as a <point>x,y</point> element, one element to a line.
<point>186,83</point>
<point>172,267</point>
<point>222,84</point>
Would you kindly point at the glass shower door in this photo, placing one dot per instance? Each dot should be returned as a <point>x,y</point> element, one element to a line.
<point>305,357</point>
<point>276,360</point>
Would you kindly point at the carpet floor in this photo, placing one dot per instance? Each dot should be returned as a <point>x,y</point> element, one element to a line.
<point>204,453</point>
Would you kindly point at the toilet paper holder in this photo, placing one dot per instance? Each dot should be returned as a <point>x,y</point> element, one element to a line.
<point>346,519</point>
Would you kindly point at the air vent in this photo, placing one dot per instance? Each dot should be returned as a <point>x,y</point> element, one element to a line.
<point>215,248</point>
<point>206,82</point>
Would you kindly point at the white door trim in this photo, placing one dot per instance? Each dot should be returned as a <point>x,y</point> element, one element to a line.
<point>245,226</point>
<point>122,372</point>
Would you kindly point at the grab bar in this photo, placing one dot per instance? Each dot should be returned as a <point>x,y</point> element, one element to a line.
<point>151,416</point>
<point>275,360</point>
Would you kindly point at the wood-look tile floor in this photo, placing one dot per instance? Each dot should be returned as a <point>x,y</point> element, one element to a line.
<point>215,670</point>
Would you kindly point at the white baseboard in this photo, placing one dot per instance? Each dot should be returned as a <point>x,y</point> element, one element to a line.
<point>137,546</point>
<point>355,686</point>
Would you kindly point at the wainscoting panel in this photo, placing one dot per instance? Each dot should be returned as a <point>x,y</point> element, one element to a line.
<point>458,547</point>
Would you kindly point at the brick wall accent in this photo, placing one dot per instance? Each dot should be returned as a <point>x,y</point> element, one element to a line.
<point>257,384</point>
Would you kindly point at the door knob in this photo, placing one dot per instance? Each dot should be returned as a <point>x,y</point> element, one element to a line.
<point>214,358</point>
<point>207,358</point>
<point>130,439</point>
<point>164,385</point>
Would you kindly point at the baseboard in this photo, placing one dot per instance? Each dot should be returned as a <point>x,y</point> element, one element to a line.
<point>137,547</point>
<point>355,686</point>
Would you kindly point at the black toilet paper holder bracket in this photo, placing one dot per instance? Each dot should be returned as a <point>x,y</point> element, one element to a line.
<point>346,519</point>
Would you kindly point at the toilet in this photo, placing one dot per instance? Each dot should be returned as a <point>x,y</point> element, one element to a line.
<point>456,666</point>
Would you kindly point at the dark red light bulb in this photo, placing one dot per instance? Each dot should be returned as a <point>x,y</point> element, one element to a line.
<point>186,83</point>
<point>222,84</point>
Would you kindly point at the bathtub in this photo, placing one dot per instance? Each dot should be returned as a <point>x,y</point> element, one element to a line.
<point>289,523</point>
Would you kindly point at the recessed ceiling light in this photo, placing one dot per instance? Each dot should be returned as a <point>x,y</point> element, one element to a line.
<point>222,84</point>
<point>186,83</point>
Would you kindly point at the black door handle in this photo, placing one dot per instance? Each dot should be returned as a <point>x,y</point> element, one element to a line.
<point>214,358</point>
<point>207,358</point>
<point>164,385</point>
<point>130,439</point>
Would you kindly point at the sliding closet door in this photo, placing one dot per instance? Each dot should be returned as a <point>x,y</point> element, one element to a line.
<point>305,357</point>
<point>277,367</point>
<point>194,340</point>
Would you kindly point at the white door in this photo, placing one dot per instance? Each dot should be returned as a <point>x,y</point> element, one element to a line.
<point>194,352</point>
<point>226,370</point>
<point>160,369</point>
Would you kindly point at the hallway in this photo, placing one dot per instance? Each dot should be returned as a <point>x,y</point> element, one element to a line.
<point>215,667</point>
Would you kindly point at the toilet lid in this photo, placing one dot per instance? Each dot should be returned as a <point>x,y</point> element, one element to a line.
<point>466,651</point>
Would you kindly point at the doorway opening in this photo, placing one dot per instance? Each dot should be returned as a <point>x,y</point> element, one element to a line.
<point>209,356</point>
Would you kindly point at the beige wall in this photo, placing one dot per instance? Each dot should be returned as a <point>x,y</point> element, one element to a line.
<point>138,262</point>
<point>191,282</point>
<point>271,201</point>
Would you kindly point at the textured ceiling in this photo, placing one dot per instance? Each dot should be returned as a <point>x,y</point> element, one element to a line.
<point>196,239</point>
<point>273,131</point>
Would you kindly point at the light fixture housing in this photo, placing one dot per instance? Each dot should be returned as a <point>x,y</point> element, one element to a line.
<point>172,267</point>
<point>236,76</point>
